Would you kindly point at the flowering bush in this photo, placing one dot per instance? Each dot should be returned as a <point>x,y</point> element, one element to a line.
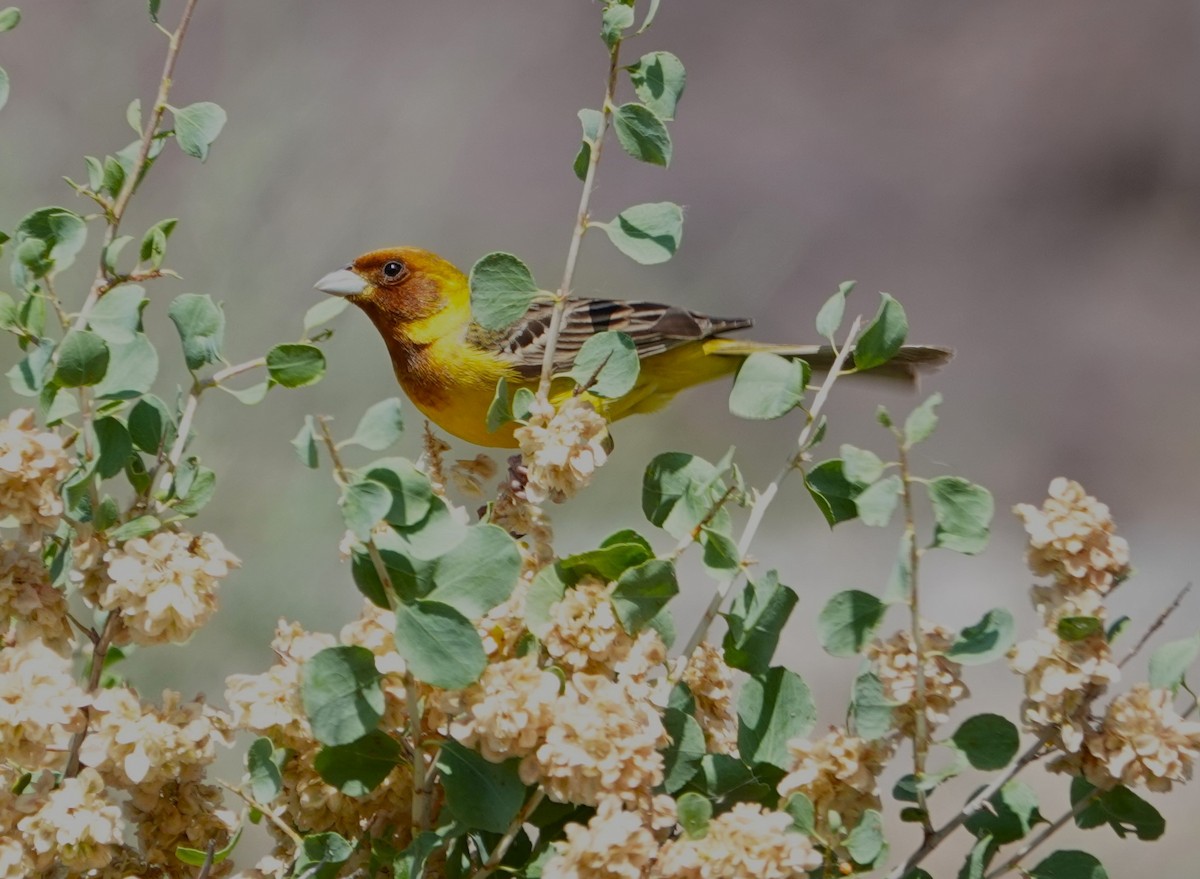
<point>497,707</point>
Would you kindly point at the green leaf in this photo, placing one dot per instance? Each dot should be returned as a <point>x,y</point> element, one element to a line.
<point>615,19</point>
<point>647,233</point>
<point>642,591</point>
<point>1069,865</point>
<point>117,317</point>
<point>132,369</point>
<point>1010,814</point>
<point>479,573</point>
<point>804,816</point>
<point>197,493</point>
<point>322,853</point>
<point>522,404</point>
<point>439,644</point>
<point>9,18</point>
<point>681,758</point>
<point>196,858</point>
<point>651,12</point>
<point>546,590</point>
<point>341,693</point>
<point>197,126</point>
<point>114,444</point>
<point>979,858</point>
<point>435,534</point>
<point>151,426</point>
<point>499,412</point>
<point>833,493</point>
<point>380,426</point>
<point>8,312</point>
<point>865,842</point>
<point>295,365</point>
<point>870,707</point>
<point>5,88</point>
<point>139,527</point>
<point>358,767</point>
<point>591,120</point>
<point>694,812</point>
<point>989,741</point>
<point>154,243</point>
<point>679,491</point>
<point>755,619</point>
<point>773,708</point>
<point>30,374</point>
<point>963,512</point>
<point>609,562</point>
<point>1170,662</point>
<point>480,794</point>
<point>364,504</point>
<point>642,134</point>
<point>133,115</point>
<point>922,421</point>
<point>82,360</point>
<point>984,641</point>
<point>829,318</point>
<point>411,493</point>
<point>502,288</point>
<point>1079,628</point>
<point>201,326</point>
<point>323,312</point>
<point>607,365</point>
<point>860,465</point>
<point>112,178</point>
<point>883,337</point>
<point>61,233</point>
<point>1120,808</point>
<point>878,501</point>
<point>305,444</point>
<point>153,6</point>
<point>264,764</point>
<point>659,80</point>
<point>767,386</point>
<point>848,621</point>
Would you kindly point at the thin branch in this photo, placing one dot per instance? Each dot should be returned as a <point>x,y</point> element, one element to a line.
<point>132,180</point>
<point>931,842</point>
<point>1156,625</point>
<point>209,853</point>
<point>1045,834</point>
<point>420,791</point>
<point>510,835</point>
<point>99,654</point>
<point>291,834</point>
<point>581,224</point>
<point>764,500</point>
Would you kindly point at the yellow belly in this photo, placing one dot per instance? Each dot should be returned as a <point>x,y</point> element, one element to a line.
<point>461,410</point>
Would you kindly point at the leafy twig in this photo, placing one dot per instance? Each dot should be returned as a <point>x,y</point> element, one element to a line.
<point>581,224</point>
<point>1054,827</point>
<point>291,834</point>
<point>99,654</point>
<point>506,841</point>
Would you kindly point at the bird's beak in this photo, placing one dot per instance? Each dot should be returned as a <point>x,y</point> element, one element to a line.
<point>343,282</point>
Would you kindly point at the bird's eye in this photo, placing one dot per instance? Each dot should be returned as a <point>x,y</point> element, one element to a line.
<point>393,270</point>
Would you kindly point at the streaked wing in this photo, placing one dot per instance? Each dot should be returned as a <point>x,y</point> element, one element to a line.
<point>654,328</point>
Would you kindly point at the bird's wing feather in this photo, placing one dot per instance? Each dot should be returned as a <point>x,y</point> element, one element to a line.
<point>654,328</point>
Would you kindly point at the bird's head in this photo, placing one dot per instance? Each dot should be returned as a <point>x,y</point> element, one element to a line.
<point>397,286</point>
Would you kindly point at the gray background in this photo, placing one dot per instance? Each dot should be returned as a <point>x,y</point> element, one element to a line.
<point>1024,177</point>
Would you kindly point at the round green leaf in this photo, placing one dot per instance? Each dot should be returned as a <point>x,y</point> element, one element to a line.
<point>642,591</point>
<point>1170,662</point>
<point>341,693</point>
<point>380,425</point>
<point>591,121</point>
<point>479,573</point>
<point>357,768</point>
<point>615,18</point>
<point>860,465</point>
<point>659,80</point>
<point>411,493</point>
<point>9,18</point>
<point>829,318</point>
<point>678,491</point>
<point>694,812</point>
<point>1069,865</point>
<point>607,365</point>
<point>773,708</point>
<point>295,365</point>
<point>920,424</point>
<point>642,134</point>
<point>439,644</point>
<point>201,326</point>
<point>883,337</point>
<point>502,287</point>
<point>878,501</point>
<point>264,763</point>
<point>481,794</point>
<point>865,842</point>
<point>197,126</point>
<point>767,386</point>
<point>984,641</point>
<point>681,759</point>
<point>364,503</point>
<point>132,369</point>
<point>117,317</point>
<point>848,621</point>
<point>989,741</point>
<point>324,311</point>
<point>82,360</point>
<point>963,512</point>
<point>647,233</point>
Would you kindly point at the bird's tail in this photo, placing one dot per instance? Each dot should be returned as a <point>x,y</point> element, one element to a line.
<point>906,365</point>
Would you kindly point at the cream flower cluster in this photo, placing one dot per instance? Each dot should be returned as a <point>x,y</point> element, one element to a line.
<point>1142,740</point>
<point>615,844</point>
<point>33,463</point>
<point>507,711</point>
<point>585,634</point>
<point>894,661</point>
<point>76,825</point>
<point>41,706</point>
<point>711,683</point>
<point>747,842</point>
<point>1072,540</point>
<point>838,773</point>
<point>30,607</point>
<point>165,586</point>
<point>561,450</point>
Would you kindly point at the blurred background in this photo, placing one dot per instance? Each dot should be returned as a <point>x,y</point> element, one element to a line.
<point>1024,177</point>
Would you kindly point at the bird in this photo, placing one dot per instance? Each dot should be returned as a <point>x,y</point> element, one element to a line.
<point>449,366</point>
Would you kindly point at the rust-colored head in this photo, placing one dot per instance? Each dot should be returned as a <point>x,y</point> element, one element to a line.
<point>398,286</point>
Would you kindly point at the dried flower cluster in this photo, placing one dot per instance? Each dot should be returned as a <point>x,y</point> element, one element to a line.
<point>894,661</point>
<point>710,681</point>
<point>33,464</point>
<point>561,449</point>
<point>747,842</point>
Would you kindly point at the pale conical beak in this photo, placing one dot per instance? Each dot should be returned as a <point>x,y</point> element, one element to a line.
<point>343,282</point>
